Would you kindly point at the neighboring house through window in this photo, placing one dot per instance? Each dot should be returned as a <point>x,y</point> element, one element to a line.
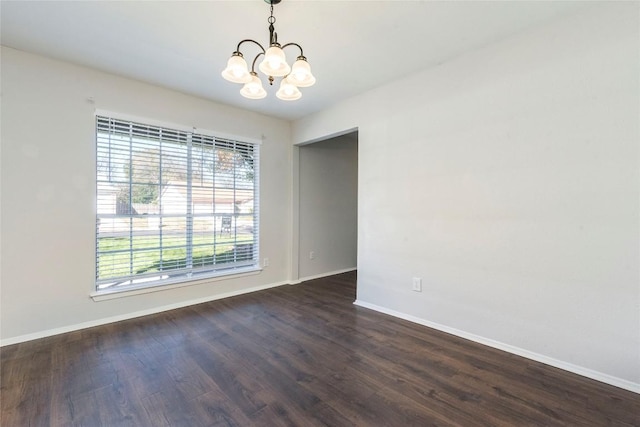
<point>172,205</point>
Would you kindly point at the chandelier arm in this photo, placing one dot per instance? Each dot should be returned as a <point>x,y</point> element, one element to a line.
<point>249,40</point>
<point>253,64</point>
<point>294,44</point>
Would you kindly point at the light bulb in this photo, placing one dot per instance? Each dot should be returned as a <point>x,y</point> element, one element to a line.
<point>274,62</point>
<point>301,73</point>
<point>236,70</point>
<point>288,91</point>
<point>253,89</point>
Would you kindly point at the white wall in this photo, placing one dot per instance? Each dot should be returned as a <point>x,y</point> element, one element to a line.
<point>48,191</point>
<point>328,186</point>
<point>508,180</point>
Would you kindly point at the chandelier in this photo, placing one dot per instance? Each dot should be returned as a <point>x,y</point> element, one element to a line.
<point>274,64</point>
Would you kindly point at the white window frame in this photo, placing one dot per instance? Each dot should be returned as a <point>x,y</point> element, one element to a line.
<point>134,283</point>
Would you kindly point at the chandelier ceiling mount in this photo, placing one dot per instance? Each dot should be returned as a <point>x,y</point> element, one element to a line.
<point>274,64</point>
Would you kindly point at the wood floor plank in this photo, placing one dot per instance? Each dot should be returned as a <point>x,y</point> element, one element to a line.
<point>299,355</point>
<point>218,411</point>
<point>230,376</point>
<point>119,406</point>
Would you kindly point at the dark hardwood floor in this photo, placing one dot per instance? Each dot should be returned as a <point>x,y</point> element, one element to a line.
<point>290,356</point>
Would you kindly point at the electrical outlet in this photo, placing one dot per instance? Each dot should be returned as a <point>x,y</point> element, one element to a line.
<point>417,284</point>
<point>265,262</point>
<point>312,255</point>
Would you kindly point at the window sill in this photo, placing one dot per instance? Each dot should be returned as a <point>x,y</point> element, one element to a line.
<point>131,291</point>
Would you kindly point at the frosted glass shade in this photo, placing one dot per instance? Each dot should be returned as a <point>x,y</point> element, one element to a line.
<point>301,74</point>
<point>253,89</point>
<point>236,71</point>
<point>288,91</point>
<point>274,63</point>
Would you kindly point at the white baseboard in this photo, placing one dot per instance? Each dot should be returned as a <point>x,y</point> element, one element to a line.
<point>127,316</point>
<point>585,372</point>
<point>112,319</point>
<point>319,276</point>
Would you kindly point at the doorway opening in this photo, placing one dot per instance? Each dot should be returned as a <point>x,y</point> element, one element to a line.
<point>328,206</point>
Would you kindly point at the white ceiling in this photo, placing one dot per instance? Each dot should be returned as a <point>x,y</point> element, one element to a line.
<point>352,46</point>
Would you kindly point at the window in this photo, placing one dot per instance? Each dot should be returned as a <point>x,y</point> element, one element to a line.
<point>172,205</point>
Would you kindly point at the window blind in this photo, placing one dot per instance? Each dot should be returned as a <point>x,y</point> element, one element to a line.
<point>172,205</point>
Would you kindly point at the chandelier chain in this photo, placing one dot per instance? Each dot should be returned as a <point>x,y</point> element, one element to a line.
<point>271,19</point>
